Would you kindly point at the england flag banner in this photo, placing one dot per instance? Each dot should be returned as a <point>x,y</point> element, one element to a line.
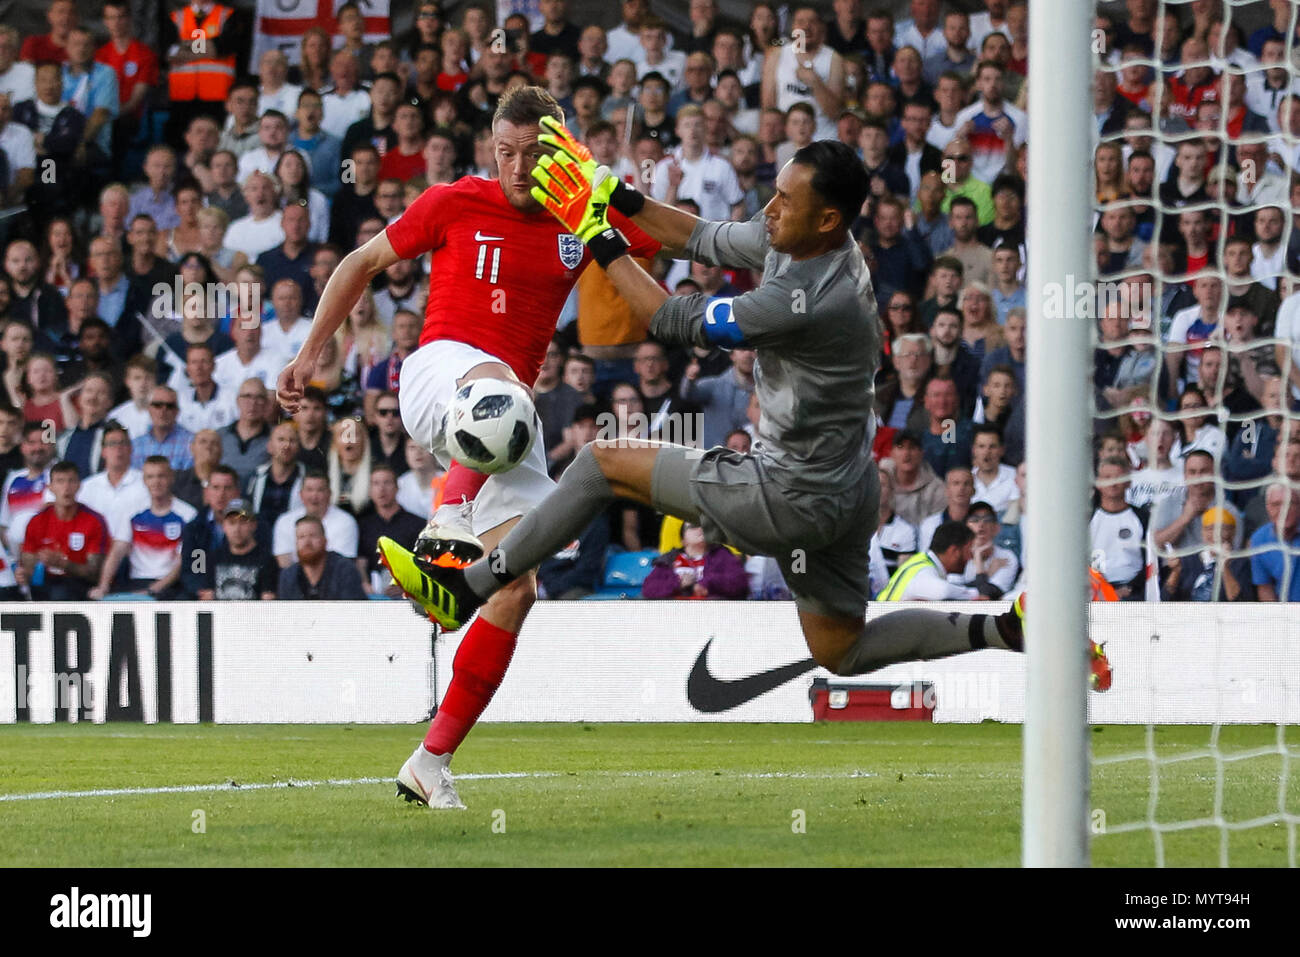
<point>281,24</point>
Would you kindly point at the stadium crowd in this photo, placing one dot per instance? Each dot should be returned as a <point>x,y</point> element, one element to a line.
<point>170,215</point>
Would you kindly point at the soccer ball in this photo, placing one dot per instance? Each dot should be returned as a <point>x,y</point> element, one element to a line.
<point>490,425</point>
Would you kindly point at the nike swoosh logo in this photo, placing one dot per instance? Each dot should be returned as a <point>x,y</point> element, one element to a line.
<point>712,695</point>
<point>480,238</point>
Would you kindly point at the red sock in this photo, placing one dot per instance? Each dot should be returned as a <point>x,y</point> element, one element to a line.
<point>463,484</point>
<point>477,670</point>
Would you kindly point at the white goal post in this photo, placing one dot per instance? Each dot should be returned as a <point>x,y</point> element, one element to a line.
<point>1059,249</point>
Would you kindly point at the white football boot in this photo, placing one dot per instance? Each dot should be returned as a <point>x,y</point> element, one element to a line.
<point>448,538</point>
<point>426,779</point>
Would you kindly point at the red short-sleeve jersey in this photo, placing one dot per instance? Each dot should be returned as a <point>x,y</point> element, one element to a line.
<point>83,535</point>
<point>499,277</point>
<point>134,65</point>
<point>42,49</point>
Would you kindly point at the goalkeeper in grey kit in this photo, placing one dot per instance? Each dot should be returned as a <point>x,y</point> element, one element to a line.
<point>807,494</point>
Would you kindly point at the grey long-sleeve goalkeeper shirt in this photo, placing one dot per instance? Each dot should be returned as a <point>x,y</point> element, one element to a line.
<point>817,334</point>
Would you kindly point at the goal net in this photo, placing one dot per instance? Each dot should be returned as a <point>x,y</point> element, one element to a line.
<point>1195,382</point>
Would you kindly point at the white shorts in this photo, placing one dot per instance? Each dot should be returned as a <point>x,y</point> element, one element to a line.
<point>427,385</point>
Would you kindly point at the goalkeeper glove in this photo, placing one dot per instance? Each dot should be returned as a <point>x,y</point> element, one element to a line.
<point>576,191</point>
<point>572,153</point>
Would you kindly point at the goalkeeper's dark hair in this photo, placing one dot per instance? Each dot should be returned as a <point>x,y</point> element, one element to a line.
<point>839,177</point>
<point>526,106</point>
<point>949,534</point>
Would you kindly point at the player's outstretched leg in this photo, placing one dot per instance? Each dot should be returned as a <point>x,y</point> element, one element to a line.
<point>850,647</point>
<point>452,595</point>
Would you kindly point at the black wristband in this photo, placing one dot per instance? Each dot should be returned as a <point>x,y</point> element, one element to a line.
<point>627,200</point>
<point>607,246</point>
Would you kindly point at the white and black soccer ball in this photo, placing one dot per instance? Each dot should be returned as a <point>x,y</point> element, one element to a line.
<point>490,425</point>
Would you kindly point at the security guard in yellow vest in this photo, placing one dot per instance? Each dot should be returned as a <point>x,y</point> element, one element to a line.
<point>207,47</point>
<point>923,577</point>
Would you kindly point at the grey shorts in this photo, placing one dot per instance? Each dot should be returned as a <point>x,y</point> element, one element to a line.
<point>821,540</point>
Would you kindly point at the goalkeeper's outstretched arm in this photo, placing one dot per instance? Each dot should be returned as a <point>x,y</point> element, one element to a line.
<point>666,224</point>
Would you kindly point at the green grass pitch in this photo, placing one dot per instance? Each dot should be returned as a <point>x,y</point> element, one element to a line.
<point>860,794</point>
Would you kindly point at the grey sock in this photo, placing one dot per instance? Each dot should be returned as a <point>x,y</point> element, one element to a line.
<point>918,635</point>
<point>580,495</point>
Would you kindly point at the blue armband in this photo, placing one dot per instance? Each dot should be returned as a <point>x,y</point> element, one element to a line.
<point>720,326</point>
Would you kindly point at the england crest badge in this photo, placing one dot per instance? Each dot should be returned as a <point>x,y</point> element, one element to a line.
<point>172,530</point>
<point>571,250</point>
<point>76,541</point>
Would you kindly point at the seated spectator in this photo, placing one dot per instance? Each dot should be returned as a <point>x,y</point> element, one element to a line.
<point>242,567</point>
<point>164,437</point>
<point>1251,453</point>
<point>206,532</point>
<point>1013,353</point>
<point>947,437</point>
<point>1159,477</point>
<point>134,412</point>
<point>203,403</point>
<point>917,490</point>
<point>979,328</point>
<point>995,483</point>
<point>94,355</point>
<point>958,492</point>
<point>924,576</point>
<point>26,490</point>
<point>926,221</point>
<point>946,277</point>
<point>31,298</point>
<point>260,230</point>
<point>292,258</point>
<point>11,423</point>
<point>275,486</point>
<point>1211,574</point>
<point>383,516</point>
<point>317,575</point>
<point>43,401</point>
<point>349,464</point>
<point>901,261</point>
<point>696,570</point>
<point>1118,532</point>
<point>666,411</point>
<point>415,487</point>
<point>999,398</point>
<point>1008,225</point>
<point>313,436</point>
<point>896,396</point>
<point>244,441</point>
<point>340,527</point>
<point>958,157</point>
<point>119,489</point>
<point>577,570</point>
<point>992,569</point>
<point>284,336</point>
<point>722,398</point>
<point>1274,572</point>
<point>80,444</point>
<point>205,449</point>
<point>151,539</point>
<point>388,436</point>
<point>895,537</point>
<point>1199,432</point>
<point>247,360</point>
<point>952,358</point>
<point>976,258</point>
<point>65,543</point>
<point>404,291</point>
<point>1007,290</point>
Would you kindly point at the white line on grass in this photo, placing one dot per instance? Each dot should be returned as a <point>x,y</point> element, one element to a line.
<point>232,786</point>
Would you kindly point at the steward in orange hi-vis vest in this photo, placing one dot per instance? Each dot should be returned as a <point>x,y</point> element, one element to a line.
<point>207,78</point>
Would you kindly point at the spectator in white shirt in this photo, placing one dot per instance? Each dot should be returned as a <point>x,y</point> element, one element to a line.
<point>118,491</point>
<point>340,527</point>
<point>992,569</point>
<point>692,172</point>
<point>1269,252</point>
<point>624,41</point>
<point>995,483</point>
<point>204,404</point>
<point>984,23</point>
<point>260,230</point>
<point>273,134</point>
<point>655,56</point>
<point>17,77</point>
<point>134,412</point>
<point>345,102</point>
<point>19,146</point>
<point>276,92</point>
<point>922,31</point>
<point>284,336</point>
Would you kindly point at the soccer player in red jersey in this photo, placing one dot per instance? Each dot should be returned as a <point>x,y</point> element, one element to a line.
<point>69,539</point>
<point>501,269</point>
